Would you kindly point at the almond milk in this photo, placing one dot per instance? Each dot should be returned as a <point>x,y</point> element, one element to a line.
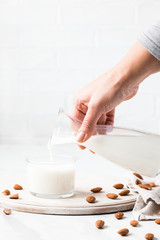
<point>137,152</point>
<point>52,179</point>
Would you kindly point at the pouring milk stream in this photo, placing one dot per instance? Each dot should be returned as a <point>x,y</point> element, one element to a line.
<point>134,150</point>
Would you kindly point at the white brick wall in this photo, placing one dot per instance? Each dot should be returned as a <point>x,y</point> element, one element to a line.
<point>50,48</point>
<point>96,13</point>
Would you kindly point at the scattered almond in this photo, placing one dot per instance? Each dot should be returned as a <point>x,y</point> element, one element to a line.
<point>124,192</point>
<point>138,175</point>
<point>91,151</point>
<point>91,199</point>
<point>7,211</point>
<point>157,221</point>
<point>145,186</point>
<point>149,236</point>
<point>18,187</point>
<point>137,182</point>
<point>14,196</point>
<point>118,186</point>
<point>6,192</point>
<point>134,223</point>
<point>99,224</point>
<point>152,184</point>
<point>119,215</point>
<point>96,190</point>
<point>123,232</point>
<point>112,195</point>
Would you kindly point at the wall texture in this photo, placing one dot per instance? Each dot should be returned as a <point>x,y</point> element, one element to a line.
<point>50,48</point>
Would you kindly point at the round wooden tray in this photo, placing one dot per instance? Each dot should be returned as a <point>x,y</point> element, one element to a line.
<point>75,205</point>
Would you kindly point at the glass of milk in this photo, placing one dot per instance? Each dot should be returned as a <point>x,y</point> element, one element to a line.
<point>51,179</point>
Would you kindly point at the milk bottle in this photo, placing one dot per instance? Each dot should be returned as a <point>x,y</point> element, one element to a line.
<point>131,149</point>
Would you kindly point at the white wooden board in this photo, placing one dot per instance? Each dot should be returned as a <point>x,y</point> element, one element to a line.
<point>75,205</point>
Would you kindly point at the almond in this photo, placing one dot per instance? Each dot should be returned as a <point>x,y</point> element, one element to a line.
<point>124,192</point>
<point>96,190</point>
<point>145,186</point>
<point>6,192</point>
<point>138,175</point>
<point>14,196</point>
<point>90,199</point>
<point>91,151</point>
<point>137,182</point>
<point>149,236</point>
<point>134,223</point>
<point>118,186</point>
<point>18,187</point>
<point>7,211</point>
<point>159,212</point>
<point>99,224</point>
<point>152,184</point>
<point>157,221</point>
<point>112,195</point>
<point>123,232</point>
<point>119,215</point>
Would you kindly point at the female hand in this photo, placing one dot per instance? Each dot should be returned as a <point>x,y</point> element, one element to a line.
<point>95,103</point>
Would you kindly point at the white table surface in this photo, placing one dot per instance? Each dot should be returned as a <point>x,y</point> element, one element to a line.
<point>18,225</point>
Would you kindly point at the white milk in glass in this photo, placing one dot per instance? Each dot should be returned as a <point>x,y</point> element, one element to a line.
<point>140,153</point>
<point>54,179</point>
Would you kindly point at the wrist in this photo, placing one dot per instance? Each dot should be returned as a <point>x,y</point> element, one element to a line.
<point>137,65</point>
<point>125,84</point>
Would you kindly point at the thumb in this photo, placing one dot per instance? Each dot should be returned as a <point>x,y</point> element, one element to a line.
<point>89,122</point>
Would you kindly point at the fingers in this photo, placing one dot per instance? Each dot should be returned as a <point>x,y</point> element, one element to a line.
<point>89,121</point>
<point>88,124</point>
<point>106,119</point>
<point>102,121</point>
<point>110,117</point>
<point>82,106</point>
<point>78,114</point>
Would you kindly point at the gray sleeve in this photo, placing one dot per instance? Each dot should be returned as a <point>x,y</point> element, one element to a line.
<point>150,39</point>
